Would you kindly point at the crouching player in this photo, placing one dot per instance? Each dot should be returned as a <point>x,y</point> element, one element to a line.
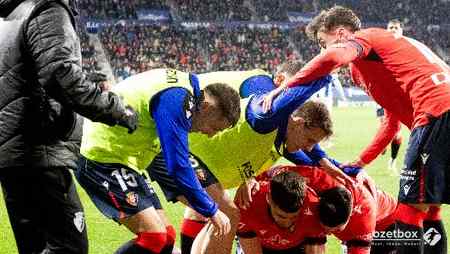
<point>282,218</point>
<point>170,104</point>
<point>353,213</point>
<point>234,156</point>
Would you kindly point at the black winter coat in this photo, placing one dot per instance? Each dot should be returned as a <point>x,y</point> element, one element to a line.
<point>42,86</point>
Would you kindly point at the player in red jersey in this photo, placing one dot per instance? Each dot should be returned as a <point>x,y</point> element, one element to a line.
<point>355,221</point>
<point>410,82</point>
<point>379,143</point>
<point>283,218</point>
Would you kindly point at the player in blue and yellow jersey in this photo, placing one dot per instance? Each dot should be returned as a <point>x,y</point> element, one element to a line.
<point>234,156</point>
<point>170,104</point>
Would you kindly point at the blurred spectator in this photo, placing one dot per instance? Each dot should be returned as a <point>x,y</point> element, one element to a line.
<point>215,10</point>
<point>136,48</point>
<point>117,9</point>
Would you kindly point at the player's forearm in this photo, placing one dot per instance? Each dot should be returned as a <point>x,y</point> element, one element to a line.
<point>174,144</point>
<point>385,134</point>
<point>324,63</point>
<point>197,197</point>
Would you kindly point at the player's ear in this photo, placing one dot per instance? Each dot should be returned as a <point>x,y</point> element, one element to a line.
<point>279,78</point>
<point>208,104</point>
<point>340,32</point>
<point>297,120</point>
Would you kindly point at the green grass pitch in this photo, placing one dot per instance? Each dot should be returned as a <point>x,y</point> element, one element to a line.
<point>354,127</point>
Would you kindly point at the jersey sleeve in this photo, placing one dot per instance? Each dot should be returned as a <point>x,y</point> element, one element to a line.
<point>286,103</point>
<point>328,60</point>
<point>309,158</point>
<point>362,42</point>
<point>389,127</point>
<point>172,117</point>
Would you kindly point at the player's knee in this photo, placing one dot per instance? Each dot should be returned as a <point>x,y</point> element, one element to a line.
<point>152,241</point>
<point>191,214</point>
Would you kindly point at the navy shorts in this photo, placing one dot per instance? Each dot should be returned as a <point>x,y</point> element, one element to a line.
<point>425,175</point>
<point>158,172</point>
<point>117,191</point>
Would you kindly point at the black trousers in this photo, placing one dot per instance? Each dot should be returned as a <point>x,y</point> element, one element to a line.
<point>44,210</point>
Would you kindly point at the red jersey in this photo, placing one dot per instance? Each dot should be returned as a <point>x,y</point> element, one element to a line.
<point>370,206</point>
<point>386,209</point>
<point>362,221</point>
<point>256,220</point>
<point>401,74</point>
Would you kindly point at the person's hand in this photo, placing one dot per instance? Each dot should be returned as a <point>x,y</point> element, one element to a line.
<point>355,164</point>
<point>221,223</point>
<point>339,175</point>
<point>335,172</point>
<point>268,99</point>
<point>244,193</point>
<point>130,120</point>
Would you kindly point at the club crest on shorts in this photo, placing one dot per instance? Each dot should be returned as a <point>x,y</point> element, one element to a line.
<point>78,221</point>
<point>132,198</point>
<point>201,175</point>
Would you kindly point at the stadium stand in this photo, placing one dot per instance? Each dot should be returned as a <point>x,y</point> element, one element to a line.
<point>202,36</point>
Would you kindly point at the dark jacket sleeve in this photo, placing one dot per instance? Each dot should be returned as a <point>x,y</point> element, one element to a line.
<point>55,50</point>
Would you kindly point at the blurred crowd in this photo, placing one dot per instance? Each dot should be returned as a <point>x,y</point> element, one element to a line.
<point>117,9</point>
<point>135,48</point>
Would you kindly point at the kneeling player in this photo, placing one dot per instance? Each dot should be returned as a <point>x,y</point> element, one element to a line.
<point>283,218</point>
<point>351,218</point>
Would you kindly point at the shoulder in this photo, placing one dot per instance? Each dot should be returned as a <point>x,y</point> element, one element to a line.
<point>176,100</point>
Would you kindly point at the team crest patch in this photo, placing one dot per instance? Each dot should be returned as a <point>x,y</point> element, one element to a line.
<point>132,198</point>
<point>78,221</point>
<point>201,175</point>
<point>189,106</point>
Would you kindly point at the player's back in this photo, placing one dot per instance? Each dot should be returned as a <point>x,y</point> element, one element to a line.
<point>402,75</point>
<point>237,153</point>
<point>363,217</point>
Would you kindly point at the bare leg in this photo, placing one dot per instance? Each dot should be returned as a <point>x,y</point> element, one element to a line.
<point>207,242</point>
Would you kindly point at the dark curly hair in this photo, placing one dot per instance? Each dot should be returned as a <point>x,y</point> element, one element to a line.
<point>335,206</point>
<point>287,190</point>
<point>228,101</point>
